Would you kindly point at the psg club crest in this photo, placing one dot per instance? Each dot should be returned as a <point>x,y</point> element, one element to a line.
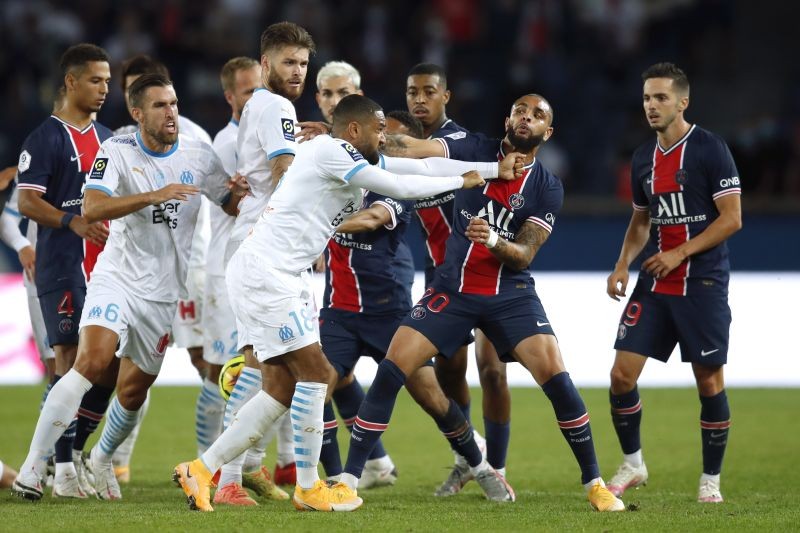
<point>418,313</point>
<point>681,177</point>
<point>66,325</point>
<point>622,331</point>
<point>516,200</point>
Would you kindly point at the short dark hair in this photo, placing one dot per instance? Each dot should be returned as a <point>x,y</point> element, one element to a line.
<point>141,64</point>
<point>354,107</point>
<point>286,34</point>
<point>144,82</point>
<point>78,55</point>
<point>415,127</point>
<point>668,70</point>
<point>429,69</point>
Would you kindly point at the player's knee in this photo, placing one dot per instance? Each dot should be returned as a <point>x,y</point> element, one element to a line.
<point>131,396</point>
<point>493,379</point>
<point>92,363</point>
<point>621,380</point>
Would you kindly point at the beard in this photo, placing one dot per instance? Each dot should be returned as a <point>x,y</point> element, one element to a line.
<point>371,156</point>
<point>162,137</point>
<point>280,87</point>
<point>523,144</point>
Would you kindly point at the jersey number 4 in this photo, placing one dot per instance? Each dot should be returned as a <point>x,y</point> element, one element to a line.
<point>65,306</point>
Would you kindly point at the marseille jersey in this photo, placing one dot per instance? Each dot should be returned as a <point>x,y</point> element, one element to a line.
<point>535,197</point>
<point>266,131</point>
<point>54,160</point>
<point>148,250</point>
<point>362,275</point>
<point>221,222</point>
<point>435,214</point>
<point>678,187</point>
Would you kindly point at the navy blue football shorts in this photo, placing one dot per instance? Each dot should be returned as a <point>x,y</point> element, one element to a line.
<point>446,316</point>
<point>345,336</point>
<point>652,324</point>
<point>61,310</point>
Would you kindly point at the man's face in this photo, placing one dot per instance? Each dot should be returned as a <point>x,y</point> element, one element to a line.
<point>371,136</point>
<point>662,103</point>
<point>529,123</point>
<point>426,98</point>
<point>395,127</point>
<point>331,91</point>
<point>90,86</point>
<point>245,82</point>
<point>158,115</point>
<point>287,68</point>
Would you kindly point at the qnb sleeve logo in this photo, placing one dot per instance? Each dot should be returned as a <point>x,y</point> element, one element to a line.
<point>287,125</point>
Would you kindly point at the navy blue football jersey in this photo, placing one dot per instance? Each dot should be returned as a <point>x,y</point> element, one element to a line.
<point>362,276</point>
<point>54,161</point>
<point>678,187</point>
<point>535,197</point>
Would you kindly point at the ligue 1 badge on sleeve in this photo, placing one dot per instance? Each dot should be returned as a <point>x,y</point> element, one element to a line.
<point>681,177</point>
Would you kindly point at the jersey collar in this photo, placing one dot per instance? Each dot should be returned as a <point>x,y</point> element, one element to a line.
<point>502,154</point>
<point>151,153</point>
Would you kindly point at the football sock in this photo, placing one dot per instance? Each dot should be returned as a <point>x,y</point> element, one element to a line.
<point>465,410</point>
<point>497,437</point>
<point>209,412</point>
<point>459,434</point>
<point>306,413</point>
<point>255,454</point>
<point>57,413</point>
<point>90,413</point>
<point>63,446</point>
<point>247,385</point>
<point>373,418</point>
<point>122,455</point>
<point>626,414</point>
<point>248,426</point>
<point>715,422</point>
<point>119,424</point>
<point>285,442</point>
<point>47,390</point>
<point>573,420</point>
<point>348,400</point>
<point>329,454</point>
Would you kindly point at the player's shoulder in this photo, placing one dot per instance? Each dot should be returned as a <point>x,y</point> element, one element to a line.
<point>451,130</point>
<point>227,134</point>
<point>645,150</point>
<point>545,178</point>
<point>126,141</point>
<point>194,147</point>
<point>49,129</point>
<point>706,139</point>
<point>103,132</point>
<point>264,99</point>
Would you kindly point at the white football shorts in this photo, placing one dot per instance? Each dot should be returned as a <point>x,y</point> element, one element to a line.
<point>219,325</point>
<point>187,328</point>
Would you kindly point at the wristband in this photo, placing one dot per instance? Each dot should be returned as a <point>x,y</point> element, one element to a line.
<point>491,242</point>
<point>66,219</point>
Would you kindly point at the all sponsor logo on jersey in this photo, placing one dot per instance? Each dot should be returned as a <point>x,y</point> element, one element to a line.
<point>24,161</point>
<point>187,178</point>
<point>354,154</point>
<point>95,312</point>
<point>286,334</point>
<point>671,205</point>
<point>418,313</point>
<point>516,200</point>
<point>287,125</point>
<point>681,177</point>
<point>99,168</point>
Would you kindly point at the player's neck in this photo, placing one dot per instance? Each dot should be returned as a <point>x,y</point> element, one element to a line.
<point>674,132</point>
<point>70,114</point>
<point>529,156</point>
<point>434,127</point>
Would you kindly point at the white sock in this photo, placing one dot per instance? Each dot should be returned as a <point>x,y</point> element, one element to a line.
<point>249,425</point>
<point>634,459</point>
<point>306,412</point>
<point>209,411</point>
<point>480,468</point>
<point>460,460</point>
<point>594,482</point>
<point>285,442</point>
<point>56,415</point>
<point>709,477</point>
<point>247,385</point>
<point>119,424</point>
<point>232,471</point>
<point>255,454</point>
<point>65,469</point>
<point>381,463</point>
<point>350,480</point>
<point>122,455</point>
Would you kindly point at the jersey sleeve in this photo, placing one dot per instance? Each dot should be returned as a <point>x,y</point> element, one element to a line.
<point>399,210</point>
<point>722,170</point>
<point>639,198</point>
<point>215,184</point>
<point>105,173</point>
<point>339,160</point>
<point>37,161</point>
<point>276,129</point>
<point>547,205</point>
<point>464,145</point>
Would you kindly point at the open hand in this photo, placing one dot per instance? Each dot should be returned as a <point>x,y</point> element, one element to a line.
<point>173,191</point>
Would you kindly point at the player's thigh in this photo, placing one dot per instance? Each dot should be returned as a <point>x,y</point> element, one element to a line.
<point>61,311</point>
<point>277,380</point>
<point>541,356</point>
<point>309,364</point>
<point>424,388</point>
<point>132,384</point>
<point>491,369</point>
<point>703,321</point>
<point>646,326</point>
<point>340,341</point>
<point>96,351</point>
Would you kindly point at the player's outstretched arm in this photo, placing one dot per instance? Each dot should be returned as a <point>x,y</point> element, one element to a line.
<point>370,219</point>
<point>635,238</point>
<point>510,168</point>
<point>516,254</point>
<point>98,205</point>
<point>399,145</point>
<point>411,186</point>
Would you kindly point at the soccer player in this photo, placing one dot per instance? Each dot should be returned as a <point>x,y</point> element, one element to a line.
<point>686,203</point>
<point>486,282</point>
<point>271,295</point>
<point>427,96</point>
<point>335,80</point>
<point>54,159</point>
<point>145,183</point>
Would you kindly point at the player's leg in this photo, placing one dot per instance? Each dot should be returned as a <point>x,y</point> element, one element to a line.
<point>285,468</point>
<point>124,452</point>
<point>496,402</point>
<point>715,423</point>
<point>452,376</point>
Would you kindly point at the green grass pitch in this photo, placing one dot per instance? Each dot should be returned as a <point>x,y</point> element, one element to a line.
<point>758,481</point>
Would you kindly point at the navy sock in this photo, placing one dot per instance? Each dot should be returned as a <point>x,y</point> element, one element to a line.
<point>715,422</point>
<point>573,420</point>
<point>465,410</point>
<point>373,416</point>
<point>63,446</point>
<point>458,431</point>
<point>329,453</point>
<point>626,413</point>
<point>93,407</point>
<point>348,400</point>
<point>497,437</point>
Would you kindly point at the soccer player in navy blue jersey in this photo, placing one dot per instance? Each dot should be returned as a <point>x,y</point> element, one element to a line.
<point>686,203</point>
<point>485,281</point>
<point>54,160</point>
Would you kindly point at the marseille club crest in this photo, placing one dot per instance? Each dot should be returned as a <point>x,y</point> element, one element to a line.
<point>516,200</point>
<point>681,177</point>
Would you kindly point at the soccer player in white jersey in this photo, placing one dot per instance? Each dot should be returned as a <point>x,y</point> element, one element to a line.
<point>145,183</point>
<point>271,295</point>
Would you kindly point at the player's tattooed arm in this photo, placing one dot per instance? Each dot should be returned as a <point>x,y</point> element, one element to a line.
<point>365,220</point>
<point>398,145</point>
<point>516,254</point>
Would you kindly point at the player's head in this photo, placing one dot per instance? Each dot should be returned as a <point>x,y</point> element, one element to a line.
<point>240,77</point>
<point>361,122</point>
<point>285,49</point>
<point>404,123</point>
<point>665,95</point>
<point>86,74</point>
<point>136,66</point>
<point>530,123</point>
<point>427,94</point>
<point>335,80</point>
<point>154,105</point>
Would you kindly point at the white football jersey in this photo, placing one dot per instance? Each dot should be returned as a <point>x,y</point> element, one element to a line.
<point>221,222</point>
<point>148,250</point>
<point>311,200</point>
<point>266,130</point>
